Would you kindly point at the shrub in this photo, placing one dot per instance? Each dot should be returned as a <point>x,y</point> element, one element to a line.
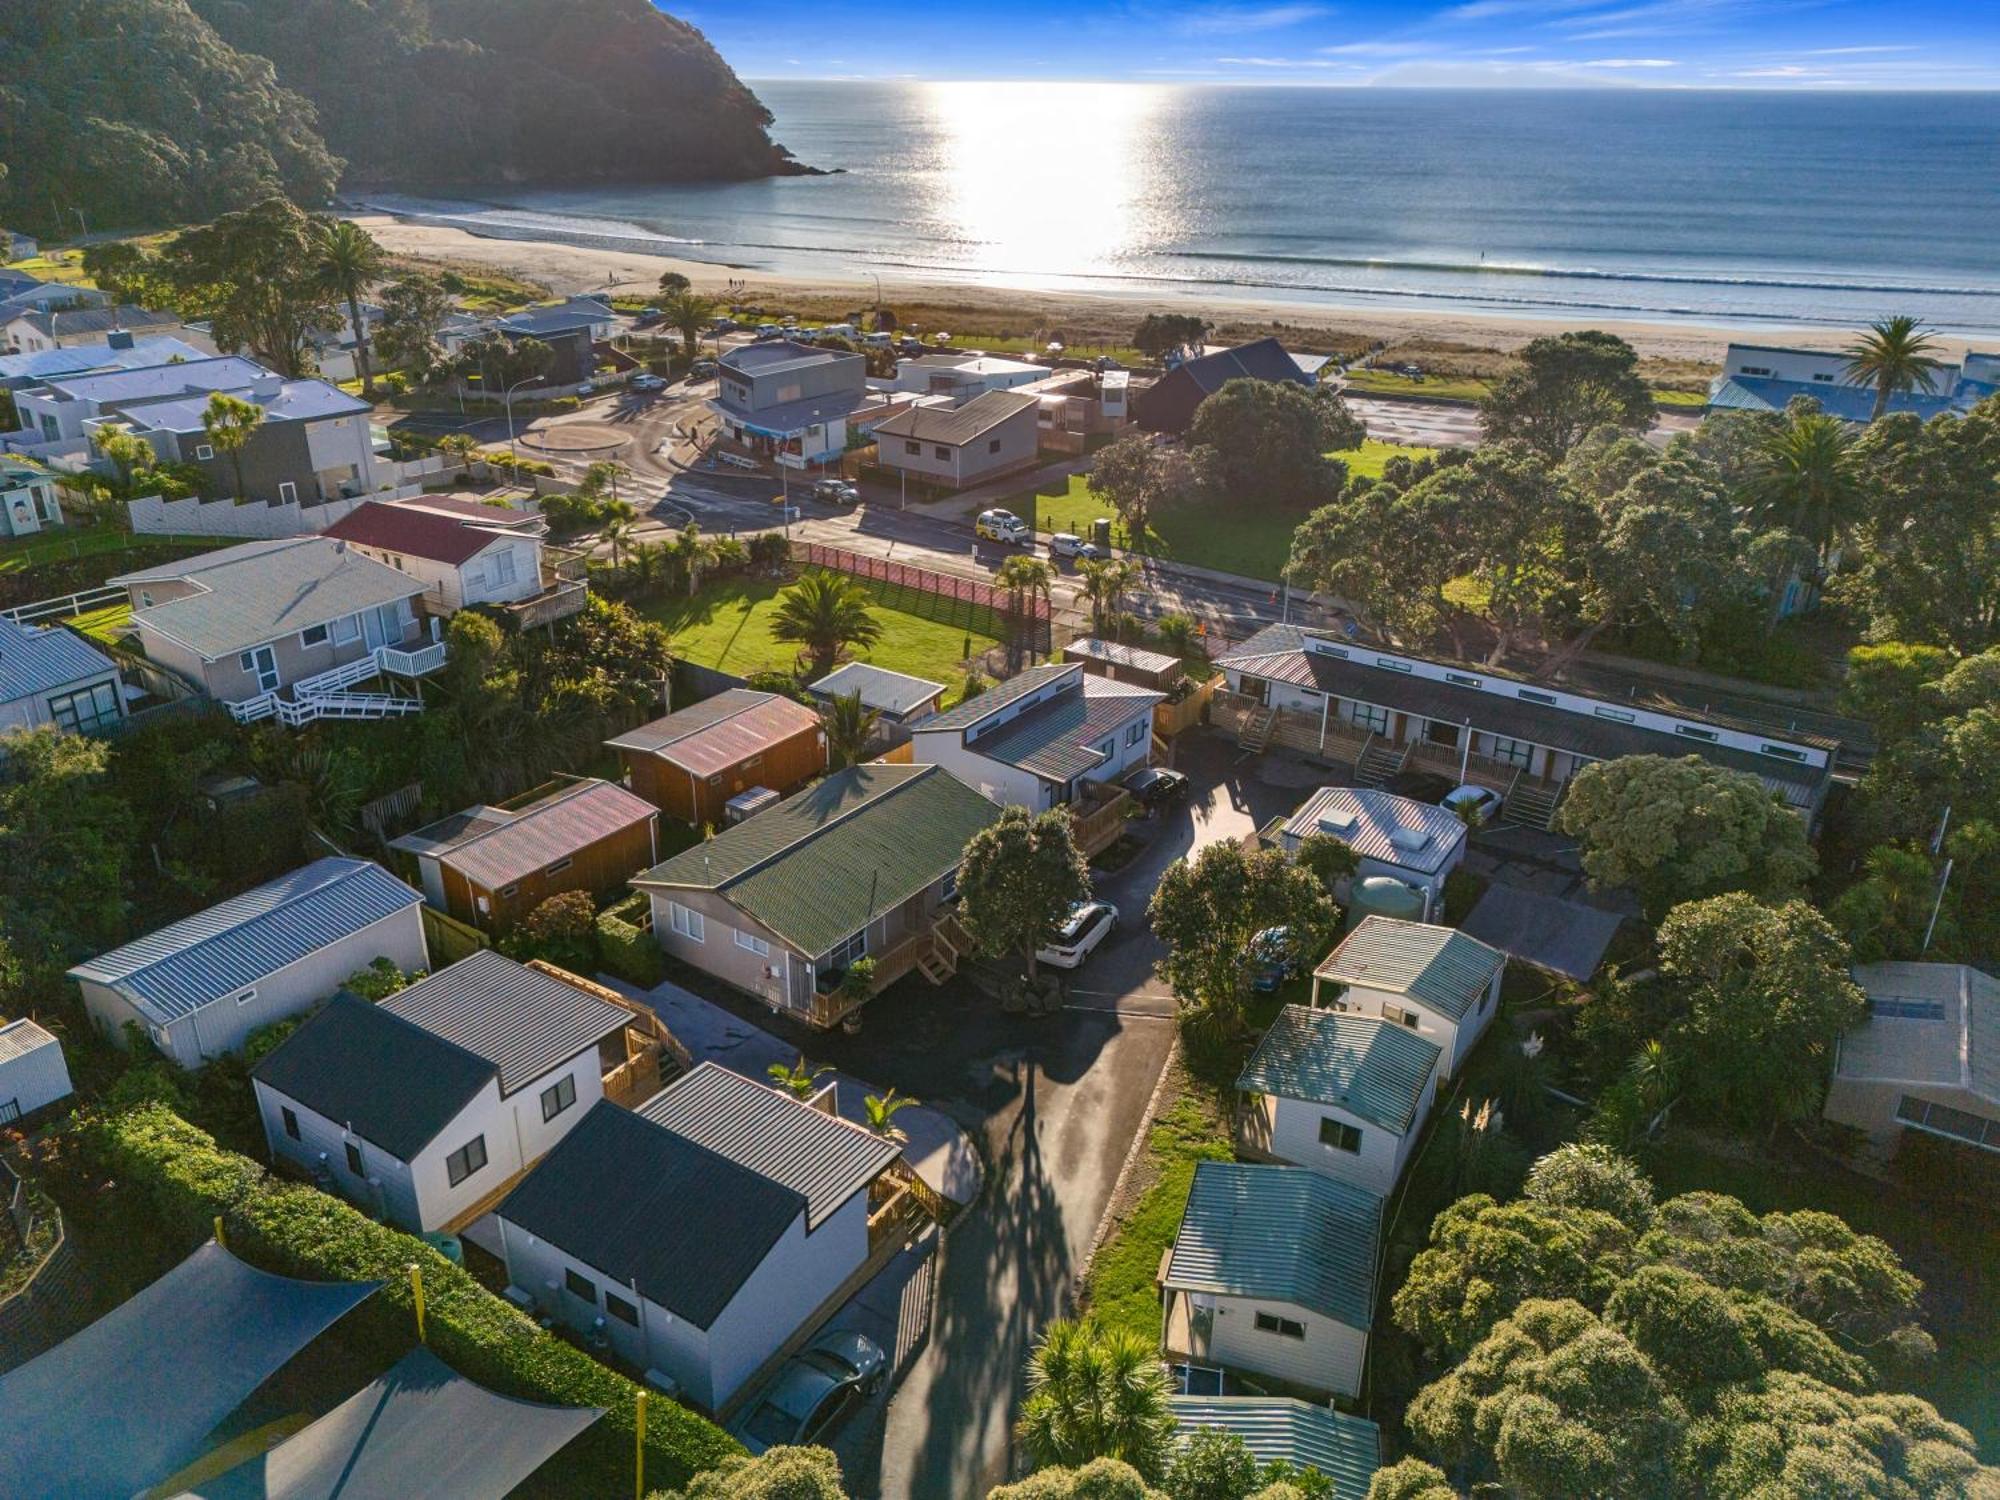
<point>563,930</point>
<point>1462,890</point>
<point>629,952</point>
<point>184,1180</point>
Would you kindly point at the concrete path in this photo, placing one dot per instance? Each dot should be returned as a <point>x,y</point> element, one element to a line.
<point>937,1150</point>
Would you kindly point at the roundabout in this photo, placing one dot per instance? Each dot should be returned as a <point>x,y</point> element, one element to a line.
<point>574,439</point>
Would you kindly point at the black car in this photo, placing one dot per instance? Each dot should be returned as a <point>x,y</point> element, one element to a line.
<point>1156,786</point>
<point>1419,786</point>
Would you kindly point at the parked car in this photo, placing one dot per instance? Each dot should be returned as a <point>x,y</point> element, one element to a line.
<point>1106,362</point>
<point>812,1391</point>
<point>1088,924</point>
<point>1477,805</point>
<point>648,383</point>
<point>1156,786</point>
<point>702,369</point>
<point>1069,544</point>
<point>724,325</point>
<point>836,492</point>
<point>1273,957</point>
<point>1002,526</point>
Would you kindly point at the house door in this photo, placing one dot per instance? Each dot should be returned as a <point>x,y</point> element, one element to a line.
<point>264,662</point>
<point>1201,1323</point>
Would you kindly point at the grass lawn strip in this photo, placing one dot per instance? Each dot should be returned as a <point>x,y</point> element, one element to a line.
<point>20,553</point>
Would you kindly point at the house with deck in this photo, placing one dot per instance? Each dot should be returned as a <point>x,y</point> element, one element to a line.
<point>51,675</point>
<point>789,402</point>
<point>492,866</point>
<point>290,629</point>
<point>425,1109</point>
<point>469,552</point>
<point>693,763</point>
<point>1343,1449</point>
<point>1339,1093</point>
<point>1383,711</point>
<point>1272,1276</point>
<point>861,865</point>
<point>1417,843</point>
<point>1925,1062</point>
<point>1435,981</point>
<point>703,1235</point>
<point>199,987</point>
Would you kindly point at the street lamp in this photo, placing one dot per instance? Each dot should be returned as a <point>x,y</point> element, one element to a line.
<point>509,400</point>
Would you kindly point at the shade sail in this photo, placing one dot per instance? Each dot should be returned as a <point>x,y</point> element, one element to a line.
<point>420,1432</point>
<point>129,1400</point>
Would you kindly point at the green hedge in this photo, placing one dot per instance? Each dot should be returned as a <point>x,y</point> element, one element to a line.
<point>185,1180</point>
<point>629,952</point>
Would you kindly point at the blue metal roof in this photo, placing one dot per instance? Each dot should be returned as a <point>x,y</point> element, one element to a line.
<point>1284,1233</point>
<point>1372,1068</point>
<point>200,959</point>
<point>1851,403</point>
<point>40,661</point>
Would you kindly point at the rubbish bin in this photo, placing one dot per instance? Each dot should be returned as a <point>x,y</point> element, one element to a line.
<point>1100,532</point>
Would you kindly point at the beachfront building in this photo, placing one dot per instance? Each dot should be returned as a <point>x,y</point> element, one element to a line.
<point>1765,377</point>
<point>1077,405</point>
<point>1170,403</point>
<point>789,402</point>
<point>991,435</point>
<point>571,328</point>
<point>963,376</point>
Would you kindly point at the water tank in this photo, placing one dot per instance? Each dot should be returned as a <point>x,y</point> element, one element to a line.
<point>1379,896</point>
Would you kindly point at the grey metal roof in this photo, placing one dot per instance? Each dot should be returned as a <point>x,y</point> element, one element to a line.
<point>222,372</point>
<point>645,1206</point>
<point>1118,654</point>
<point>1278,1429</point>
<point>568,316</point>
<point>775,1135</point>
<point>1372,822</point>
<point>386,1079</point>
<point>1286,1233</point>
<point>228,948</point>
<point>34,661</point>
<point>202,562</point>
<point>894,693</point>
<point>1370,1067</point>
<point>1058,739</point>
<point>957,425</point>
<point>281,590</point>
<point>1930,1023</point>
<point>19,1038</point>
<point>995,698</point>
<point>1440,966</point>
<point>523,1021</point>
<point>795,416</point>
<point>556,827</point>
<point>781,354</point>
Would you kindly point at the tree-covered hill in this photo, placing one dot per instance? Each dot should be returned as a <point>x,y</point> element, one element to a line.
<point>146,111</point>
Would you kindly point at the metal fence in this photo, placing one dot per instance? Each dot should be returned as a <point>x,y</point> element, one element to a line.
<point>1025,621</point>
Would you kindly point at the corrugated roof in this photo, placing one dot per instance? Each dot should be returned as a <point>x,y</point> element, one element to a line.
<point>281,590</point>
<point>720,732</point>
<point>1277,1429</point>
<point>1367,1066</point>
<point>649,1208</point>
<point>538,835</point>
<point>1440,966</point>
<point>386,1079</point>
<point>772,355</point>
<point>997,697</point>
<point>194,567</point>
<point>775,1135</point>
<point>823,863</point>
<point>419,530</point>
<point>1282,1232</point>
<point>221,372</point>
<point>519,1019</point>
<point>957,425</point>
<point>1929,1024</point>
<point>200,959</point>
<point>34,661</point>
<point>19,1038</point>
<point>1058,739</point>
<point>1118,654</point>
<point>1368,822</point>
<point>887,692</point>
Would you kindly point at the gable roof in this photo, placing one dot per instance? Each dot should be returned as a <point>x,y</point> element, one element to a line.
<point>1281,1429</point>
<point>19,1038</point>
<point>499,848</point>
<point>720,732</point>
<point>997,697</point>
<point>386,1079</point>
<point>200,959</point>
<point>522,1020</point>
<point>1382,826</point>
<point>69,322</point>
<point>1173,399</point>
<point>819,1155</point>
<point>644,1205</point>
<point>40,660</point>
<point>958,425</point>
<point>271,590</point>
<point>1372,1068</point>
<point>1287,1233</point>
<point>773,355</point>
<point>895,693</point>
<point>824,862</point>
<point>1928,1023</point>
<point>571,315</point>
<point>1057,740</point>
<point>1439,966</point>
<point>420,529</point>
<point>1118,654</point>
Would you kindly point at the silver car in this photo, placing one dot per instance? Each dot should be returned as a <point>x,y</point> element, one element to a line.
<point>813,1390</point>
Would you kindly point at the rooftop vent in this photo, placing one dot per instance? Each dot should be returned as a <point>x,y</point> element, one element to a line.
<point>1337,821</point>
<point>1409,840</point>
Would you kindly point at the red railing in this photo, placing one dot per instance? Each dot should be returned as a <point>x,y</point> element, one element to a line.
<point>923,580</point>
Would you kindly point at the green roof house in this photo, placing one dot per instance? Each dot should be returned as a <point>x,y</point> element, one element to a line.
<point>1273,1276</point>
<point>1434,980</point>
<point>862,864</point>
<point>1340,1093</point>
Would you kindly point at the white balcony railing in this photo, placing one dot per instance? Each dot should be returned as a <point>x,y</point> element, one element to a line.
<point>324,695</point>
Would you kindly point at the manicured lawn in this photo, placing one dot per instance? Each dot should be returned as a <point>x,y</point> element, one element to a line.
<point>728,626</point>
<point>1446,387</point>
<point>20,553</point>
<point>103,624</point>
<point>1252,543</point>
<point>62,266</point>
<point>1680,398</point>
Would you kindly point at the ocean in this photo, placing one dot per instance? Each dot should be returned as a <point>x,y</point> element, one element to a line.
<point>1643,205</point>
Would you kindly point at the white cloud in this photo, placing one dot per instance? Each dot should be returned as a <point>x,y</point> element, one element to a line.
<point>1279,62</point>
<point>1855,51</point>
<point>1789,70</point>
<point>1632,62</point>
<point>1224,19</point>
<point>1376,49</point>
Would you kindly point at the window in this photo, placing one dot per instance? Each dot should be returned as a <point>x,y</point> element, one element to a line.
<point>843,954</point>
<point>1286,1328</point>
<point>203,452</point>
<point>348,629</point>
<point>1135,732</point>
<point>580,1287</point>
<point>288,493</point>
<point>688,924</point>
<point>939,450</point>
<point>913,448</point>
<point>1513,752</point>
<point>1942,1119</point>
<point>619,1308</point>
<point>466,1160</point>
<point>1339,1134</point>
<point>1708,736</point>
<point>291,1122</point>
<point>1461,679</point>
<point>1390,664</point>
<point>1906,1007</point>
<point>1784,752</point>
<point>1616,715</point>
<point>314,635</point>
<point>354,1160</point>
<point>560,865</point>
<point>753,943</point>
<point>558,1097</point>
<point>1400,1017</point>
<point>1371,716</point>
<point>1824,379</point>
<point>508,892</point>
<point>246,997</point>
<point>86,708</point>
<point>1108,747</point>
<point>1534,697</point>
<point>1755,370</point>
<point>503,568</point>
<point>993,446</point>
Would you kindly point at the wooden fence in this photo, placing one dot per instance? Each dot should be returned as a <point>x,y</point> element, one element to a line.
<point>449,939</point>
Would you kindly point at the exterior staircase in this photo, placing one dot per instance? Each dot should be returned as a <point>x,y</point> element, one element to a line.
<point>1532,805</point>
<point>1254,733</point>
<point>950,944</point>
<point>1380,759</point>
<point>325,695</point>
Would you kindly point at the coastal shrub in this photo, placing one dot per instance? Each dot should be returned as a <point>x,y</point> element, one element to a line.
<point>628,952</point>
<point>184,1180</point>
<point>562,930</point>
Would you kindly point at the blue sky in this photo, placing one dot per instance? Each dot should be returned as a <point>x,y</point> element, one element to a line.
<point>1792,44</point>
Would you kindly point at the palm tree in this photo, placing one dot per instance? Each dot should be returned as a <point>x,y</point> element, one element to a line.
<point>798,1079</point>
<point>1025,579</point>
<point>882,1111</point>
<point>825,614</point>
<point>1894,356</point>
<point>345,259</point>
<point>461,446</point>
<point>849,727</point>
<point>229,422</point>
<point>1803,478</point>
<point>1096,1394</point>
<point>618,534</point>
<point>687,313</point>
<point>1106,581</point>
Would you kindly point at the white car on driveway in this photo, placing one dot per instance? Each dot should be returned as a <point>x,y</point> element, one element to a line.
<point>1088,924</point>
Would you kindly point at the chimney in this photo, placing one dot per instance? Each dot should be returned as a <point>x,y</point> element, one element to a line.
<point>118,338</point>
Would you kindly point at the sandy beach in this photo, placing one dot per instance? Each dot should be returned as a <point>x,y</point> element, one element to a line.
<point>567,268</point>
